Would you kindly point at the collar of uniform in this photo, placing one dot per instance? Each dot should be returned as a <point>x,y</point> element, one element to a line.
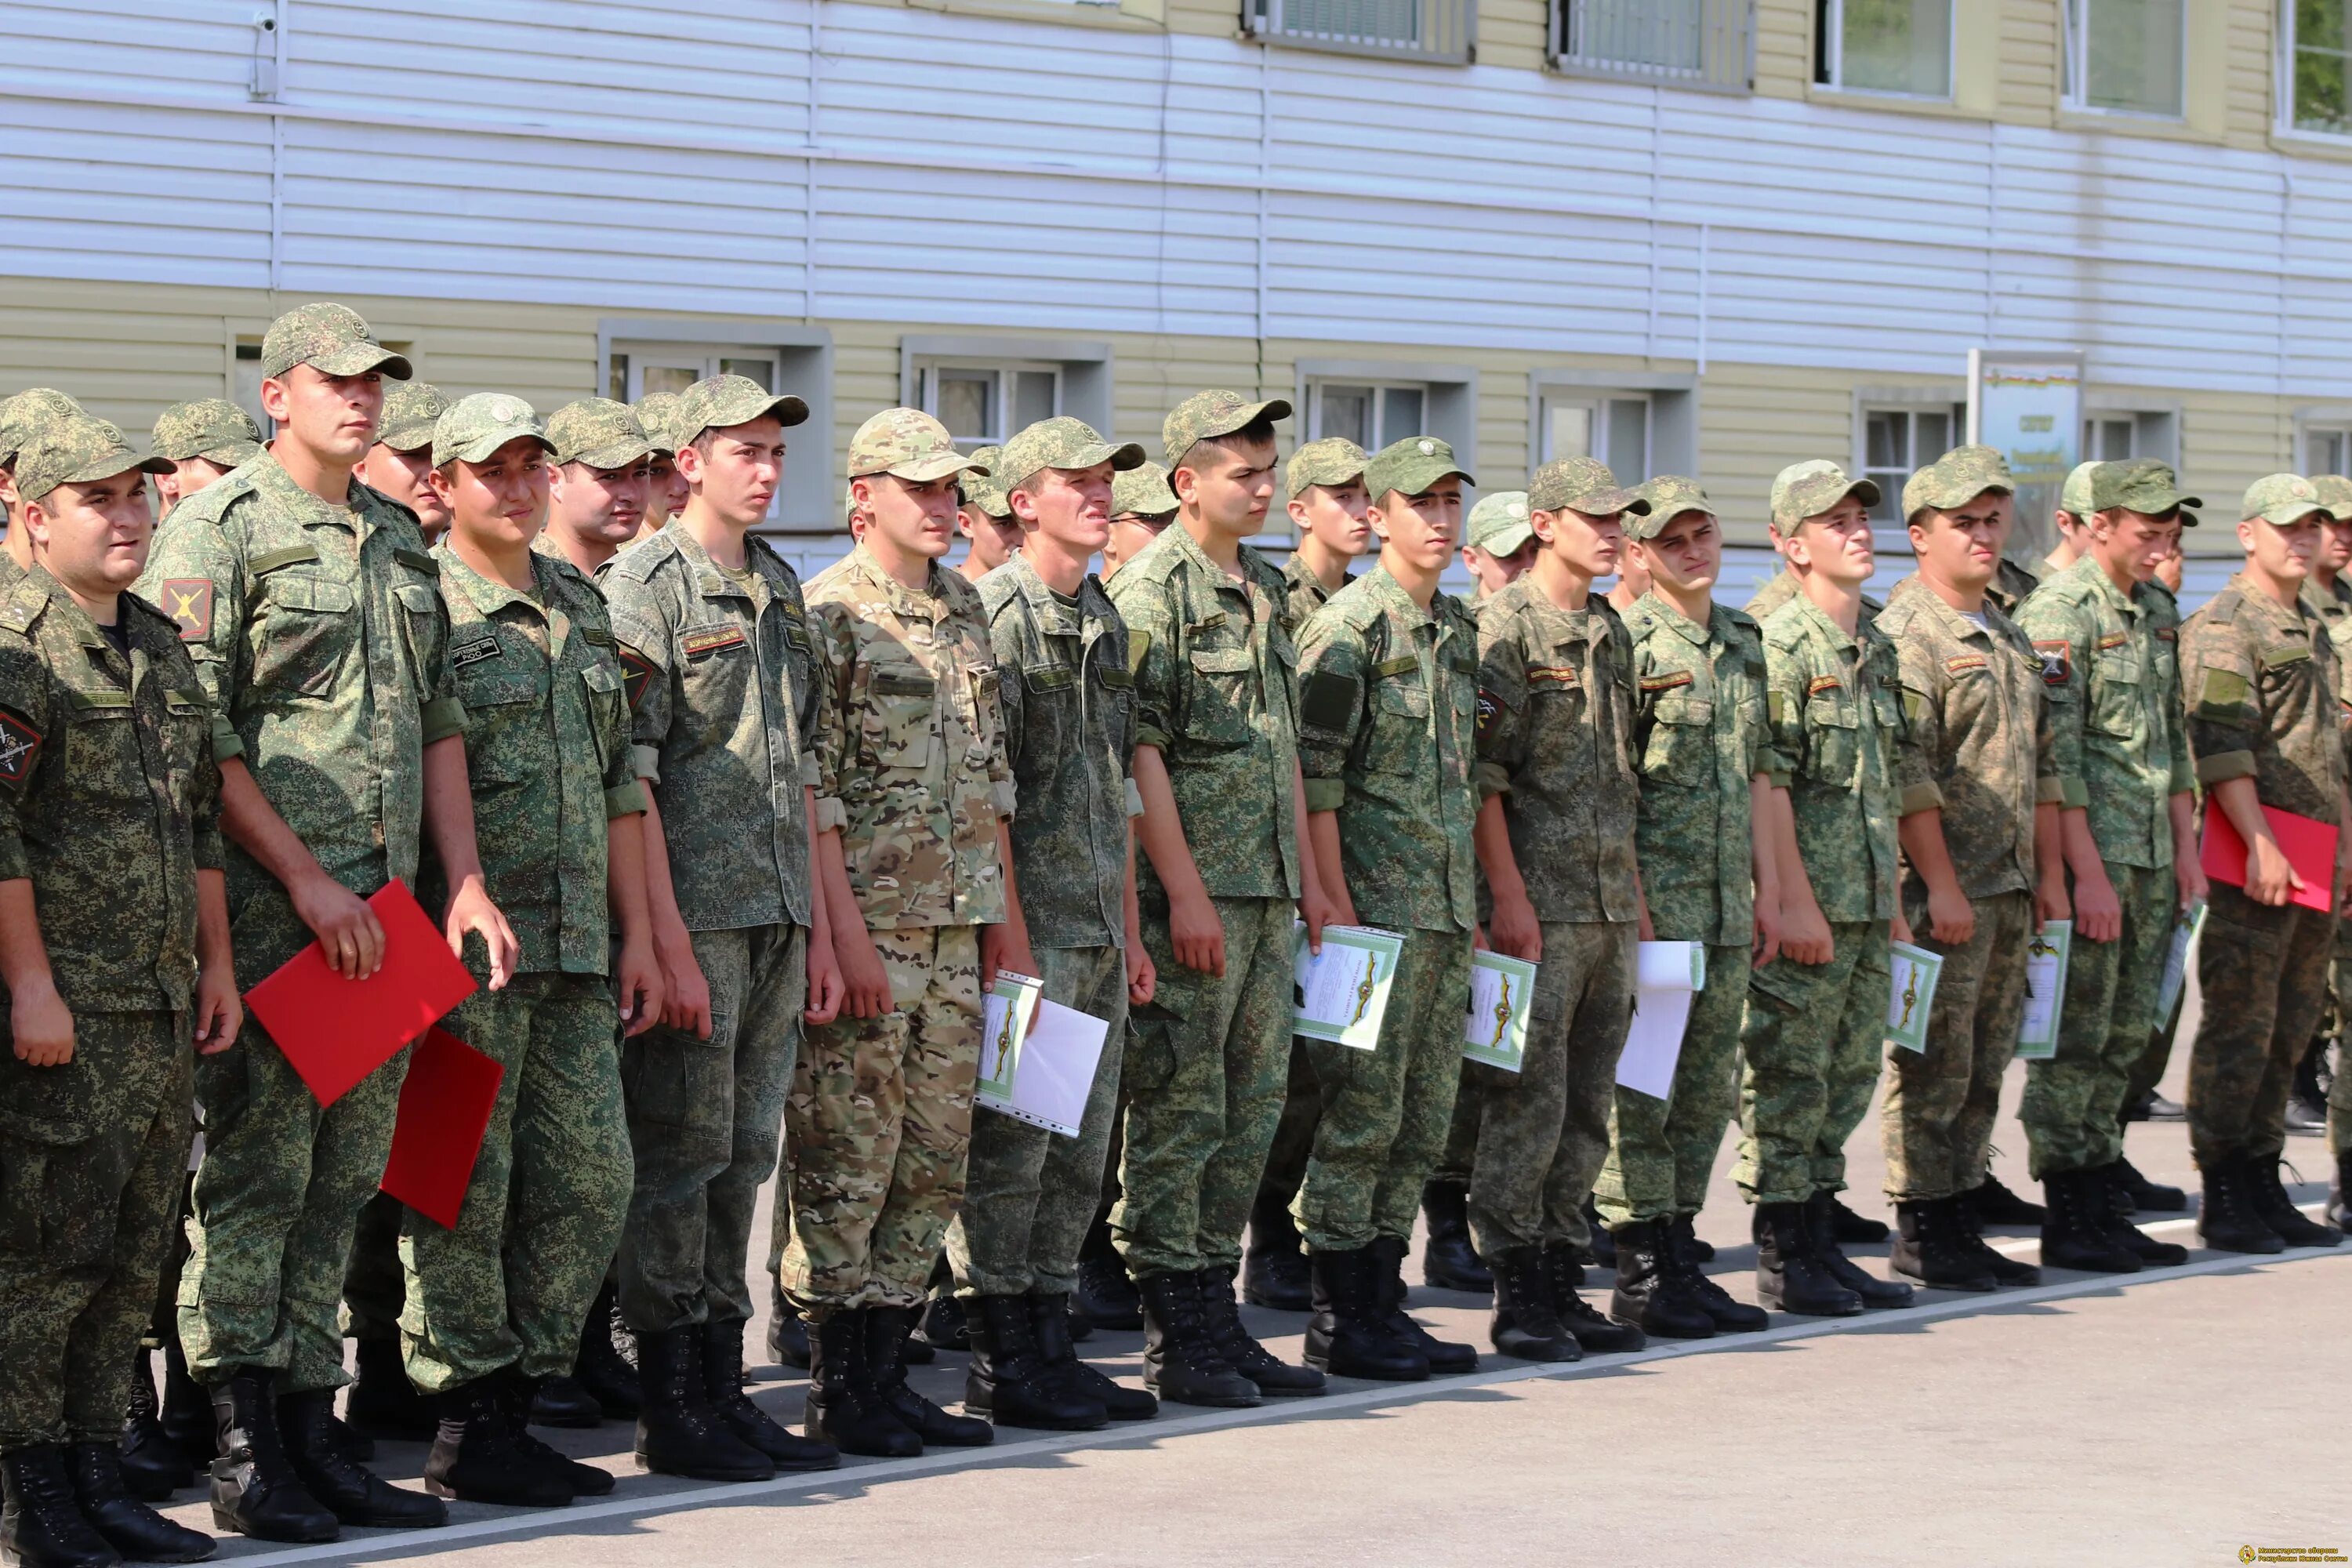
<point>1391,592</point>
<point>1818,623</point>
<point>1689,630</point>
<point>1052,615</point>
<point>488,595</point>
<point>64,606</point>
<point>905,603</point>
<point>272,479</point>
<point>1916,587</point>
<point>2295,618</point>
<point>2335,600</point>
<point>2103,587</point>
<point>708,580</point>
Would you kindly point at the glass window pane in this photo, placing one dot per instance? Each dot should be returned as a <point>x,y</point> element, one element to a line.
<point>1400,414</point>
<point>1898,46</point>
<point>2322,34</point>
<point>1886,441</point>
<point>965,403</point>
<point>1346,411</point>
<point>671,378</point>
<point>617,379</point>
<point>1033,397</point>
<point>1628,439</point>
<point>1890,493</point>
<point>1569,433</point>
<point>2131,52</point>
<point>1931,437</point>
<point>1641,32</point>
<point>761,370</point>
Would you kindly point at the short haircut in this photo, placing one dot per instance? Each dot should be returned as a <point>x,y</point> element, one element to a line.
<point>1258,432</point>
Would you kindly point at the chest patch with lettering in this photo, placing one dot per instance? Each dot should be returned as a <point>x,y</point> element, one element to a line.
<point>189,602</point>
<point>2167,633</point>
<point>1554,675</point>
<point>2114,639</point>
<point>1666,682</point>
<point>1821,683</point>
<point>20,747</point>
<point>2053,655</point>
<point>475,652</point>
<point>703,643</point>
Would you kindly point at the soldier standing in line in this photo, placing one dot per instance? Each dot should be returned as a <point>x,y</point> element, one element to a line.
<point>598,487</point>
<point>985,519</point>
<point>2335,493</point>
<point>1141,508</point>
<point>666,489</point>
<point>36,407</point>
<point>2328,595</point>
<point>1498,549</point>
<point>2071,521</point>
<point>396,464</point>
<point>202,440</point>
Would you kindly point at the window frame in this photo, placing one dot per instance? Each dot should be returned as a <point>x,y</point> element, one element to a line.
<point>1950,400</point>
<point>2283,93</point>
<point>1449,407</point>
<point>929,369</point>
<point>1674,400</point>
<point>1084,366</point>
<point>2074,35</point>
<point>1829,56</point>
<point>1455,41</point>
<point>2156,424</point>
<point>2330,419</point>
<point>1310,412</point>
<point>1706,77</point>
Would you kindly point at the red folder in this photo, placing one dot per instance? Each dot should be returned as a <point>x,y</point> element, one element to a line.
<point>444,1109</point>
<point>2310,848</point>
<point>336,1031</point>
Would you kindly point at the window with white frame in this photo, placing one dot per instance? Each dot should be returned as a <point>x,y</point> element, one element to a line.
<point>674,367</point>
<point>1691,43</point>
<point>2325,449</point>
<point>1371,414</point>
<point>2317,41</point>
<point>1885,45</point>
<point>1897,442</point>
<point>1613,427</point>
<point>981,403</point>
<point>2125,55</point>
<point>2111,435</point>
<point>640,355</point>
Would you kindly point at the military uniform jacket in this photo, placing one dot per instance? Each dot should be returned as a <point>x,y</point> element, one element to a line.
<point>1699,739</point>
<point>322,643</point>
<point>1069,735</point>
<point>720,686</point>
<point>1781,587</point>
<point>1307,594</point>
<point>1216,692</point>
<point>910,732</point>
<point>1387,739</point>
<point>2261,683</point>
<point>547,751</point>
<point>1835,706</point>
<point>2010,585</point>
<point>1555,709</point>
<point>2111,674</point>
<point>1979,747</point>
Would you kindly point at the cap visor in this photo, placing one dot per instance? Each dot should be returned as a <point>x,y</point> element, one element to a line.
<point>1508,540</point>
<point>938,466</point>
<point>1608,503</point>
<point>628,454</point>
<point>2281,517</point>
<point>1867,489</point>
<point>408,437</point>
<point>482,446</point>
<point>359,357</point>
<point>234,454</point>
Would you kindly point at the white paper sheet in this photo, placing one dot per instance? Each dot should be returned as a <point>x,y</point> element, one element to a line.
<point>1053,1070</point>
<point>1670,975</point>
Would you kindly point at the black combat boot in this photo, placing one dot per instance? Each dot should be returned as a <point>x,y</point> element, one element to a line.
<point>1995,1205</point>
<point>886,1328</point>
<point>940,1325</point>
<point>788,1339</point>
<point>1599,1246</point>
<point>1106,1297</point>
<point>1525,1323</point>
<point>517,1392</point>
<point>2228,1219</point>
<point>1050,1320</point>
<point>125,1523</point>
<point>153,1468</point>
<point>188,1410</point>
<point>1180,1362</point>
<point>1848,1228</point>
<point>2143,1195</point>
<point>679,1433</point>
<point>382,1402</point>
<point>353,1493</point>
<point>474,1459</point>
<point>1220,1315</point>
<point>2339,1196</point>
<point>2005,1270</point>
<point>722,1387</point>
<point>1274,1270</point>
<point>601,1368</point>
<point>1649,1294</point>
<point>1445,1358</point>
<point>1593,1330</point>
<point>565,1401</point>
<point>1010,1381</point>
<point>1448,1261</point>
<point>1821,1215</point>
<point>1685,1252</point>
<point>1788,1275</point>
<point>1931,1245</point>
<point>2277,1208</point>
<point>2307,1101</point>
<point>843,1407</point>
<point>2152,1253</point>
<point>256,1490</point>
<point>39,1525</point>
<point>2076,1234</point>
<point>1347,1337</point>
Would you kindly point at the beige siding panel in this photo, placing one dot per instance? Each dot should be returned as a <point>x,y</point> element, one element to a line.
<point>2227,442</point>
<point>1754,421</point>
<point>1784,47</point>
<point>2252,72</point>
<point>1513,33</point>
<point>1207,18</point>
<point>2030,33</point>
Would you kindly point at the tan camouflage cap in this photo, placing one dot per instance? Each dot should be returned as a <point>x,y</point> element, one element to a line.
<point>2335,494</point>
<point>212,428</point>
<point>475,426</point>
<point>26,415</point>
<point>2281,498</point>
<point>1410,466</point>
<point>1666,497</point>
<point>981,490</point>
<point>1333,460</point>
<point>1498,524</point>
<point>2142,485</point>
<point>1580,484</point>
<point>333,339</point>
<point>717,401</point>
<point>409,411</point>
<point>1142,491</point>
<point>1207,413</point>
<point>2074,495</point>
<point>1058,443</point>
<point>1982,463</point>
<point>658,415</point>
<point>1956,478</point>
<point>77,450</point>
<point>598,432</point>
<point>908,443</point>
<point>1809,489</point>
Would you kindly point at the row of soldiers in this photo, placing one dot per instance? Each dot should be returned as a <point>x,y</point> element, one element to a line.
<point>729,855</point>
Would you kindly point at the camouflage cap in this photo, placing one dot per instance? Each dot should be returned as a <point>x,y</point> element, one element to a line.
<point>1666,497</point>
<point>1410,466</point>
<point>1142,491</point>
<point>657,415</point>
<point>598,432</point>
<point>717,401</point>
<point>1207,413</point>
<point>77,450</point>
<point>2141,484</point>
<point>2335,494</point>
<point>2283,498</point>
<point>473,427</point>
<point>26,415</point>
<point>333,339</point>
<point>1333,460</point>
<point>1058,443</point>
<point>1809,489</point>
<point>1957,478</point>
<point>212,428</point>
<point>2074,495</point>
<point>981,490</point>
<point>908,443</point>
<point>1580,484</point>
<point>1498,524</point>
<point>409,411</point>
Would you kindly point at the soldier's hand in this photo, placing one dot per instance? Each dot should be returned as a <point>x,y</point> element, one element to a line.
<point>347,931</point>
<point>2051,901</point>
<point>2270,877</point>
<point>220,1013</point>
<point>43,1025</point>
<point>1952,918</point>
<point>864,983</point>
<point>2098,913</point>
<point>639,981</point>
<point>823,1003</point>
<point>1142,975</point>
<point>470,910</point>
<point>1805,936</point>
<point>1196,933</point>
<point>1515,930</point>
<point>686,995</point>
<point>2189,877</point>
<point>1318,909</point>
<point>1765,946</point>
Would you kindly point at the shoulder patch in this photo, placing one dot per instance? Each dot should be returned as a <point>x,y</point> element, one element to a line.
<point>637,674</point>
<point>1138,645</point>
<point>1666,682</point>
<point>20,747</point>
<point>1328,702</point>
<point>2222,695</point>
<point>2053,654</point>
<point>189,602</point>
<point>1488,706</point>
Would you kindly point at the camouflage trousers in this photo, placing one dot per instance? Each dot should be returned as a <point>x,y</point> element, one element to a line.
<point>2074,1102</point>
<point>1937,1120</point>
<point>1386,1110</point>
<point>1029,1194</point>
<point>280,1190</point>
<point>2339,1089</point>
<point>1662,1152</point>
<point>2264,973</point>
<point>881,1119</point>
<point>509,1285</point>
<point>374,1289</point>
<point>1810,1047</point>
<point>1294,1134</point>
<point>1543,1131</point>
<point>1204,1084</point>
<point>704,1120</point>
<point>1461,1155</point>
<point>85,1217</point>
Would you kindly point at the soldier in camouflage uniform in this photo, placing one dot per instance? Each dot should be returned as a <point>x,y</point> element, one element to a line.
<point>1816,1013</point>
<point>597,489</point>
<point>1141,508</point>
<point>2266,726</point>
<point>659,414</point>
<point>35,408</point>
<point>985,519</point>
<point>1387,680</point>
<point>1556,819</point>
<point>1699,743</point>
<point>402,457</point>
<point>202,440</point>
<point>2328,593</point>
<point>1498,543</point>
<point>2071,520</point>
<point>2335,493</point>
<point>114,950</point>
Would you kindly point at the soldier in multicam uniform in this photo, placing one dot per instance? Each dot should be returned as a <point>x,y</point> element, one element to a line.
<point>114,947</point>
<point>912,844</point>
<point>202,440</point>
<point>985,519</point>
<point>1555,835</point>
<point>1069,735</point>
<point>1141,508</point>
<point>718,657</point>
<point>597,490</point>
<point>1700,744</point>
<point>1388,676</point>
<point>403,454</point>
<point>2107,648</point>
<point>2266,725</point>
<point>1817,1014</point>
<point>35,408</point>
<point>659,414</point>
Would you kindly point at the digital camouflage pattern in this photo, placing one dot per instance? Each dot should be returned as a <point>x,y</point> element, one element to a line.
<point>1664,497</point>
<point>2138,484</point>
<point>722,401</point>
<point>2074,1101</point>
<point>1936,1122</point>
<point>1833,705</point>
<point>1662,1152</point>
<point>1581,484</point>
<point>29,414</point>
<point>1306,592</point>
<point>2264,973</point>
<point>906,443</point>
<point>1333,460</point>
<point>2010,585</point>
<point>406,422</point>
<point>1061,442</point>
<point>2281,498</point>
<point>2261,682</point>
<point>1809,489</point>
<point>1808,1062</point>
<point>1956,478</point>
<point>1782,586</point>
<point>980,487</point>
<point>1141,490</point>
<point>74,450</point>
<point>1498,524</point>
<point>1205,415</point>
<point>473,428</point>
<point>212,428</point>
<point>332,338</point>
<point>660,414</point>
<point>1411,466</point>
<point>599,432</point>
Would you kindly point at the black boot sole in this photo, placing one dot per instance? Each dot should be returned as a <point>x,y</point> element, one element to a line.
<point>226,1522</point>
<point>503,1497</point>
<point>706,1472</point>
<point>1772,1302</point>
<point>1204,1400</point>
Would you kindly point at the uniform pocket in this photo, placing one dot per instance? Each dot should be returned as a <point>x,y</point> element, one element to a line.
<point>307,628</point>
<point>1681,747</point>
<point>1400,733</point>
<point>2116,704</point>
<point>897,711</point>
<point>1218,711</point>
<point>605,714</point>
<point>101,746</point>
<point>1833,750</point>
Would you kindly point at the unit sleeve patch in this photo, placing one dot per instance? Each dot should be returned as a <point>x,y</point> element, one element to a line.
<point>20,746</point>
<point>637,674</point>
<point>189,602</point>
<point>2054,656</point>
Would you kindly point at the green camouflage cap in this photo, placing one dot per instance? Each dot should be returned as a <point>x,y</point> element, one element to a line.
<point>1333,460</point>
<point>1410,466</point>
<point>1058,443</point>
<point>2074,495</point>
<point>473,427</point>
<point>1957,478</point>
<point>981,490</point>
<point>598,432</point>
<point>78,450</point>
<point>908,443</point>
<point>331,338</point>
<point>25,417</point>
<point>2282,499</point>
<point>1143,492</point>
<point>1207,413</point>
<point>212,428</point>
<point>1666,497</point>
<point>2335,494</point>
<point>1581,484</point>
<point>2142,485</point>
<point>1498,524</point>
<point>658,414</point>
<point>1809,489</point>
<point>409,411</point>
<point>717,401</point>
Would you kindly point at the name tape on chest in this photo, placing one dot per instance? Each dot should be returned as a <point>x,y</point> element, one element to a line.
<point>1666,682</point>
<point>189,602</point>
<point>2054,656</point>
<point>1961,664</point>
<point>1553,675</point>
<point>2114,640</point>
<point>475,652</point>
<point>703,643</point>
<point>1821,683</point>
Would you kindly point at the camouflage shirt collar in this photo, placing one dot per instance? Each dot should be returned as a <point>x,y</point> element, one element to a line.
<point>490,595</point>
<point>1093,608</point>
<point>1691,632</point>
<point>271,479</point>
<point>2295,618</point>
<point>709,581</point>
<point>1932,603</point>
<point>1824,629</point>
<point>63,606</point>
<point>1392,596</point>
<point>931,604</point>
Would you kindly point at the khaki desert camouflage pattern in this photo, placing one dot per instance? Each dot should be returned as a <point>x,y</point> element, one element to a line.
<point>1809,489</point>
<point>980,487</point>
<point>331,339</point>
<point>212,428</point>
<point>1665,498</point>
<point>410,411</point>
<point>908,443</point>
<point>722,401</point>
<point>2283,498</point>
<point>1208,414</point>
<point>660,414</point>
<point>1581,484</point>
<point>1498,524</point>
<point>1058,443</point>
<point>1410,466</point>
<point>30,413</point>
<point>1143,492</point>
<point>1333,460</point>
<point>77,451</point>
<point>600,433</point>
<point>473,428</point>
